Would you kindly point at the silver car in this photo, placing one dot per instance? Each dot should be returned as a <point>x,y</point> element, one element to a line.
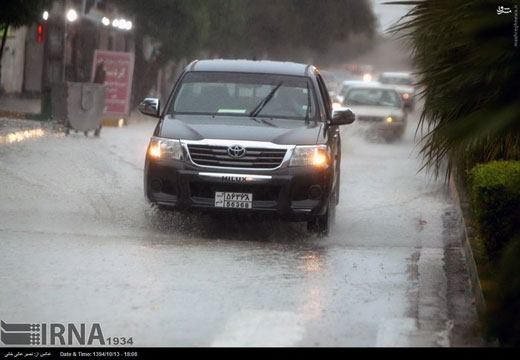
<point>337,100</point>
<point>378,106</point>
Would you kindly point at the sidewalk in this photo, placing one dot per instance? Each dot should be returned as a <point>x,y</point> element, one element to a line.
<point>16,106</point>
<point>17,126</point>
<point>15,129</point>
<point>18,130</point>
<point>10,104</point>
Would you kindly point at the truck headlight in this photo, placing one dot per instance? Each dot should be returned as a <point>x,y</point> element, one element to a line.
<point>165,149</point>
<point>310,156</point>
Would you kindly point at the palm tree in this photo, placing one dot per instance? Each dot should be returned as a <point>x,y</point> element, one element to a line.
<point>468,61</point>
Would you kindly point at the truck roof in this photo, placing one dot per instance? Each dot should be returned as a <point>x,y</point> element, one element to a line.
<point>251,66</point>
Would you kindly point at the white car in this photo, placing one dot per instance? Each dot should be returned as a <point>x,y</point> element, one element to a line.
<point>343,88</point>
<point>404,84</point>
<point>378,106</point>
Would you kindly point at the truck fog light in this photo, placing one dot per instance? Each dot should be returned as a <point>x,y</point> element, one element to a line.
<point>156,185</point>
<point>315,192</point>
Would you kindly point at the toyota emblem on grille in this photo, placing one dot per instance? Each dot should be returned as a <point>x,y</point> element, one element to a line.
<point>236,151</point>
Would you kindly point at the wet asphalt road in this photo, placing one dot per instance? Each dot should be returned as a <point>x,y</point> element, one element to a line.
<point>78,244</point>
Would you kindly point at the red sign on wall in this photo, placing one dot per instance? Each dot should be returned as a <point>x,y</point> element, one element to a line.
<point>119,69</point>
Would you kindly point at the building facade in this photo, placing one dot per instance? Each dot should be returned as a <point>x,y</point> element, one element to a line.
<point>61,45</point>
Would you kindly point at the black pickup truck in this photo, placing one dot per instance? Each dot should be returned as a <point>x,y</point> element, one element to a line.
<point>247,136</point>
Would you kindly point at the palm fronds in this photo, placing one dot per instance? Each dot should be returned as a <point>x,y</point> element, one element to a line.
<point>467,61</point>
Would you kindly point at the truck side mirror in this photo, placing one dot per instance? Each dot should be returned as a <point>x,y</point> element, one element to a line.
<point>343,117</point>
<point>150,106</point>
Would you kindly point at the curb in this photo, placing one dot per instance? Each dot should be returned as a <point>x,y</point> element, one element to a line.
<point>12,114</point>
<point>24,115</point>
<point>468,250</point>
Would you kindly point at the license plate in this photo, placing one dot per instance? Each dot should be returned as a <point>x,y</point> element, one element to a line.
<point>233,200</point>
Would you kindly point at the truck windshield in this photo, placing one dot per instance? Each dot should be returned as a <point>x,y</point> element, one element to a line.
<point>244,94</point>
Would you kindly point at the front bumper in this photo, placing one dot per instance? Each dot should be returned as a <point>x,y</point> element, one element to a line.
<point>284,191</point>
<point>382,127</point>
<point>393,127</point>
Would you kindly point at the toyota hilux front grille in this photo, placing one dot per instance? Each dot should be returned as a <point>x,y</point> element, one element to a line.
<point>253,157</point>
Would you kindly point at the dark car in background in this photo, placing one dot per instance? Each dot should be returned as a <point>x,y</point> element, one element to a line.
<point>247,136</point>
<point>403,83</point>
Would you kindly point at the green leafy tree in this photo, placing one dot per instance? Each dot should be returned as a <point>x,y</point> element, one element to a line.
<point>16,13</point>
<point>278,29</point>
<point>227,22</point>
<point>176,28</point>
<point>293,29</point>
<point>469,66</point>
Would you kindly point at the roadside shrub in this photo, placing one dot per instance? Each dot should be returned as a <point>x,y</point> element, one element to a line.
<point>495,191</point>
<point>503,306</point>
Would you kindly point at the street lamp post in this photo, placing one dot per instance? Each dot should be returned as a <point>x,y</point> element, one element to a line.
<point>70,16</point>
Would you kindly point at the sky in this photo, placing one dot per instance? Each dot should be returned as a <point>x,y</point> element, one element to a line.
<point>388,14</point>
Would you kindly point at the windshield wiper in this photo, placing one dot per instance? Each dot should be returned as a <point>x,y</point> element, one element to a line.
<point>268,122</point>
<point>263,121</point>
<point>264,101</point>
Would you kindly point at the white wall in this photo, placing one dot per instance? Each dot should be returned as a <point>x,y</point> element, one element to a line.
<point>13,61</point>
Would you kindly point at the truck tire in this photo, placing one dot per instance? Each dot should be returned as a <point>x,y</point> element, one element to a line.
<point>322,224</point>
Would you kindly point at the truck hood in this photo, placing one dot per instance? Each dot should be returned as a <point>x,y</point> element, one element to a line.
<point>284,132</point>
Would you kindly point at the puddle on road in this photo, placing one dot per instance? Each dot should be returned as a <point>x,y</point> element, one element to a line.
<point>23,135</point>
<point>227,226</point>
